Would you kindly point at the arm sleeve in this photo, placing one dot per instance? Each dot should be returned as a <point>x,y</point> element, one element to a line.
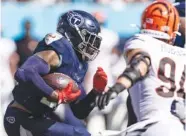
<point>82,108</point>
<point>32,70</point>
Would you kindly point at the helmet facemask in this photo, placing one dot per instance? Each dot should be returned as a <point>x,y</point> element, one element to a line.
<point>89,45</point>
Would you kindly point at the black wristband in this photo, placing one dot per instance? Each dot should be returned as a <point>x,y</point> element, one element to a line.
<point>132,74</point>
<point>118,87</point>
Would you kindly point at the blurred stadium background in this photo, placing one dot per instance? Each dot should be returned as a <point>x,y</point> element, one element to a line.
<point>25,22</point>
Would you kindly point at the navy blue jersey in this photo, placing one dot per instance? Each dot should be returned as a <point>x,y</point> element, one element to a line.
<point>69,62</point>
<point>29,96</point>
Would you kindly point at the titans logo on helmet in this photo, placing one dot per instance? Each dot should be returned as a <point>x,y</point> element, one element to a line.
<point>75,19</point>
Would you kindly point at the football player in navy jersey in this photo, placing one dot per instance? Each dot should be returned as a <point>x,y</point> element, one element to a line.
<point>66,51</point>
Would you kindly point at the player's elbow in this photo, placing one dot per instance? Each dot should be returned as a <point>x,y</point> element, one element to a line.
<point>26,71</point>
<point>32,67</point>
<point>19,75</point>
<point>24,75</point>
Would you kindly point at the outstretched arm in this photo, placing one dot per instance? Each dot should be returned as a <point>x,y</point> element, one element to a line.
<point>82,108</point>
<point>137,68</point>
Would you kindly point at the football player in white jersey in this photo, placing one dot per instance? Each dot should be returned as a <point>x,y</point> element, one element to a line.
<point>155,75</point>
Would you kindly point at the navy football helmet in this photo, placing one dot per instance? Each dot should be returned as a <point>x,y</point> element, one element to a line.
<point>82,30</point>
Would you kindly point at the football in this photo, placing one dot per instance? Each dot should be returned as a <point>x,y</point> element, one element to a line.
<point>59,81</point>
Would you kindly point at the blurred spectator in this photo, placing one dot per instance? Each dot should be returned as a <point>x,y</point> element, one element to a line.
<point>45,2</point>
<point>58,1</point>
<point>26,44</point>
<point>51,2</point>
<point>14,60</point>
<point>16,0</point>
<point>129,1</point>
<point>118,1</point>
<point>8,65</point>
<point>23,0</point>
<point>103,1</point>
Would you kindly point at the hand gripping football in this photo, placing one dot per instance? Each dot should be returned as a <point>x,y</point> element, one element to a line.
<point>59,81</point>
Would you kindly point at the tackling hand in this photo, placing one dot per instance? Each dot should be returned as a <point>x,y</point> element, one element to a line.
<point>102,100</point>
<point>66,95</point>
<point>100,80</point>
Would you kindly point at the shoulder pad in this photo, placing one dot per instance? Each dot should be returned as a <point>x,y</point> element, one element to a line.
<point>51,37</point>
<point>60,45</point>
<point>137,41</point>
<point>136,38</point>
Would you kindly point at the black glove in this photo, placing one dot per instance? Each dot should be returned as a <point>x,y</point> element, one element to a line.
<point>102,100</point>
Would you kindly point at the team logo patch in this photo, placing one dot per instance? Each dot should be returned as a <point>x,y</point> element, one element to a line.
<point>10,119</point>
<point>75,19</point>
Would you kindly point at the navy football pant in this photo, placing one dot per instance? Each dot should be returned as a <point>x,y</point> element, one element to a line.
<point>40,126</point>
